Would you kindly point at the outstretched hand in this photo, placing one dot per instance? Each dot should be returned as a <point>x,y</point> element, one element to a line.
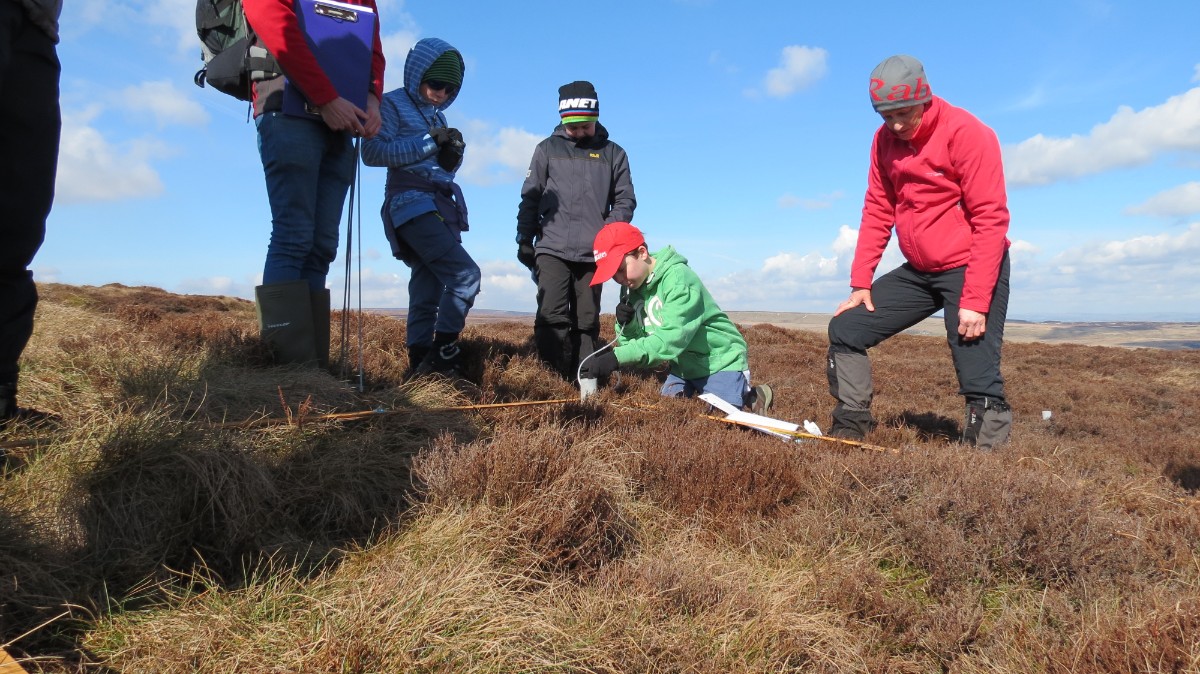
<point>857,296</point>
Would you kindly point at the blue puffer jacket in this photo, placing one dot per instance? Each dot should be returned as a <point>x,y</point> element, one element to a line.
<point>403,142</point>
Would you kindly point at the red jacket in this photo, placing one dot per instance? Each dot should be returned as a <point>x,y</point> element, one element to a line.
<point>275,24</point>
<point>944,193</point>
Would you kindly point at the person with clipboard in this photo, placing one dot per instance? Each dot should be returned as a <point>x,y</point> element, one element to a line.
<point>333,63</point>
<point>424,214</point>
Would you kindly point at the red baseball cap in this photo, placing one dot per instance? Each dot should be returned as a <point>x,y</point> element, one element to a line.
<point>612,243</point>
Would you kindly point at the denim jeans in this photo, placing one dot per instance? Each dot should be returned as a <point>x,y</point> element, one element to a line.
<point>29,135</point>
<point>308,168</point>
<point>444,280</point>
<point>729,385</point>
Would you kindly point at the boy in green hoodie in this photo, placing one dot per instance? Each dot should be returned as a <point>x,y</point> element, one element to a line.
<point>666,315</point>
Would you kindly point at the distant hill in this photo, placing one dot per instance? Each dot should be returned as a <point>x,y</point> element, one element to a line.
<point>1128,334</point>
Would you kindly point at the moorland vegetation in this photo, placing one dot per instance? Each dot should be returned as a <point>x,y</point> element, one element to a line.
<point>192,508</point>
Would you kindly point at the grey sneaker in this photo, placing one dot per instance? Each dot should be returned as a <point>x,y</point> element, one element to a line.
<point>761,398</point>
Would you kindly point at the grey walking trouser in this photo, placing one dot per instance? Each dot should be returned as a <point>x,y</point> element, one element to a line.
<point>904,297</point>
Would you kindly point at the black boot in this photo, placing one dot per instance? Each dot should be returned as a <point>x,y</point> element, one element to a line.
<point>416,354</point>
<point>319,300</point>
<point>10,413</point>
<point>445,358</point>
<point>8,403</point>
<point>285,320</point>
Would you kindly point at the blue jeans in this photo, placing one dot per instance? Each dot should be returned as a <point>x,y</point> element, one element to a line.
<point>728,385</point>
<point>444,280</point>
<point>308,168</point>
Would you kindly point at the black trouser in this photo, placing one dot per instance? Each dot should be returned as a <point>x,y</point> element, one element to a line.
<point>29,130</point>
<point>567,325</point>
<point>904,297</point>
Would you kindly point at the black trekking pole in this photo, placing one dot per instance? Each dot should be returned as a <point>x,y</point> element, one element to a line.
<point>350,241</point>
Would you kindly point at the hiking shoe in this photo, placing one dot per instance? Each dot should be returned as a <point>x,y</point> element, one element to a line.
<point>761,397</point>
<point>444,360</point>
<point>850,424</point>
<point>987,424</point>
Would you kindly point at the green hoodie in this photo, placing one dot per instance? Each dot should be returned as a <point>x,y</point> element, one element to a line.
<point>678,322</point>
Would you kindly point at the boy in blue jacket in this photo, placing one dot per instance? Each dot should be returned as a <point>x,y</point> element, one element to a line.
<point>424,213</point>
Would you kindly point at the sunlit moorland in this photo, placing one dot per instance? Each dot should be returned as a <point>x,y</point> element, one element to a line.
<point>193,508</point>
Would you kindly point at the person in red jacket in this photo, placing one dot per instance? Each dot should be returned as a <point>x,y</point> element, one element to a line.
<point>936,177</point>
<point>309,163</point>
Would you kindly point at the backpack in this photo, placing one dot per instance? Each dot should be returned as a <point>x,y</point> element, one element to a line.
<point>232,60</point>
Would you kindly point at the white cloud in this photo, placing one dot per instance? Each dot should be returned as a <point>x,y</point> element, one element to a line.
<point>1151,277</point>
<point>818,203</point>
<point>91,168</point>
<point>495,157</point>
<point>47,274</point>
<point>718,61</point>
<point>162,101</point>
<point>216,285</point>
<point>1021,247</point>
<point>1129,138</point>
<point>1107,257</point>
<point>799,68</point>
<point>1177,201</point>
<point>845,242</point>
<point>178,15</point>
<point>791,281</point>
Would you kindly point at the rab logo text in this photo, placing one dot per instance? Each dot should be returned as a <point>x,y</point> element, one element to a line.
<point>900,92</point>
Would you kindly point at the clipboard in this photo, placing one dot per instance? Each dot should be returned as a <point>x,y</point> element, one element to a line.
<point>342,38</point>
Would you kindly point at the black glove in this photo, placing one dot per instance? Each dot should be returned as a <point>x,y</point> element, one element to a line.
<point>526,254</point>
<point>601,365</point>
<point>625,313</point>
<point>442,135</point>
<point>450,147</point>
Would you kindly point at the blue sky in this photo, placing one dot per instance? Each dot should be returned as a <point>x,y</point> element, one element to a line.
<point>747,125</point>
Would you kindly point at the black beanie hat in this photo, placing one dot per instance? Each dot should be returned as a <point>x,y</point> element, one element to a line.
<point>577,102</point>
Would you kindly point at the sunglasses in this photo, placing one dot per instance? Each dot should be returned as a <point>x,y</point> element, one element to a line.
<point>440,85</point>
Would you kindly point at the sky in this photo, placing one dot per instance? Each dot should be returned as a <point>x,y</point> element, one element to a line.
<point>748,129</point>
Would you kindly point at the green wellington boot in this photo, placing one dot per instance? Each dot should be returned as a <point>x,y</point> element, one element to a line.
<point>285,319</point>
<point>320,319</point>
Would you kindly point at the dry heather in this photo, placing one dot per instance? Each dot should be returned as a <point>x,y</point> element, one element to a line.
<point>194,509</point>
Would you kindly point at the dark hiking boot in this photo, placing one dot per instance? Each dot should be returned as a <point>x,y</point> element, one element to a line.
<point>11,413</point>
<point>851,424</point>
<point>416,355</point>
<point>987,424</point>
<point>760,399</point>
<point>445,360</point>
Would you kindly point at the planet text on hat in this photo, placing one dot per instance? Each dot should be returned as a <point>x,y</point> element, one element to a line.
<point>579,103</point>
